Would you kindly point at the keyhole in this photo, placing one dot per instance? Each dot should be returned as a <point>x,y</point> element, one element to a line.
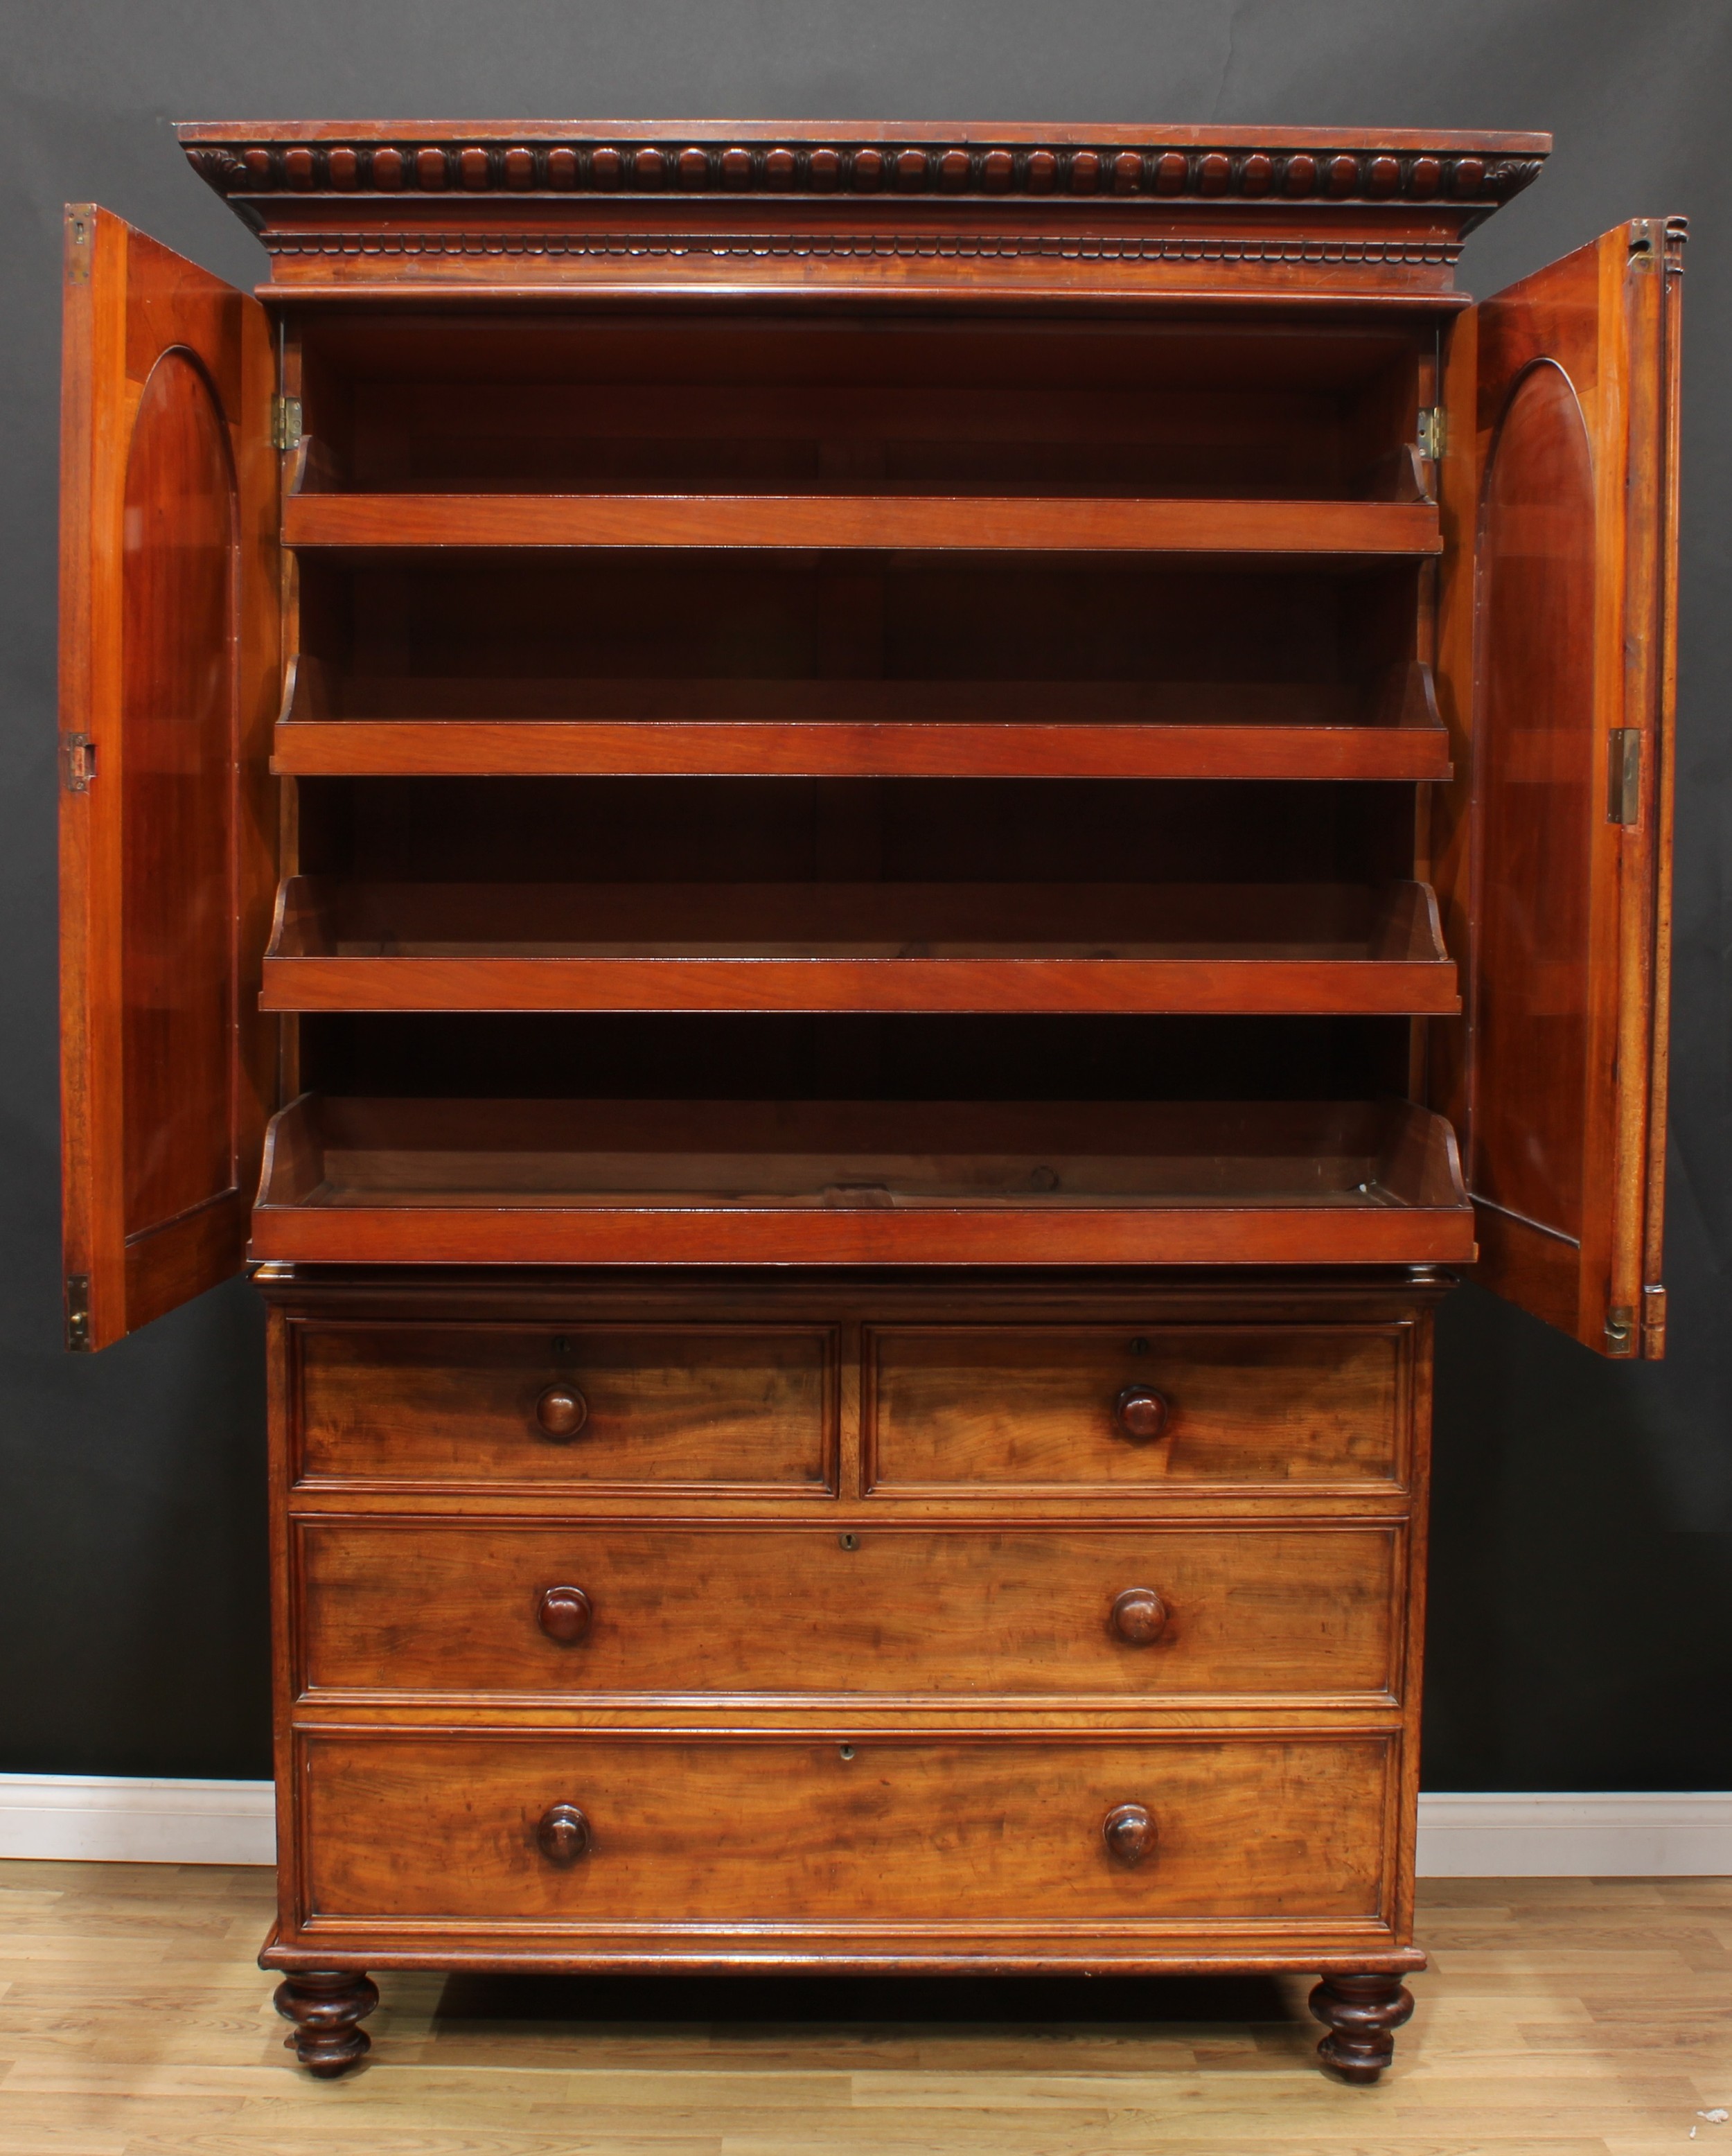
<point>562,1344</point>
<point>845,1751</point>
<point>1140,1347</point>
<point>849,1541</point>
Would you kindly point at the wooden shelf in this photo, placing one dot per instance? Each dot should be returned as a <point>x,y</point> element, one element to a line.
<point>971,523</point>
<point>858,947</point>
<point>504,728</point>
<point>850,1182</point>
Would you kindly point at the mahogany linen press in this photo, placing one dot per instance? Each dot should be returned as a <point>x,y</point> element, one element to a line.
<point>853,856</point>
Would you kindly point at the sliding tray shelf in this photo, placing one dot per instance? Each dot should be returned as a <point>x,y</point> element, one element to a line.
<point>1314,948</point>
<point>422,1181</point>
<point>863,729</point>
<point>971,523</point>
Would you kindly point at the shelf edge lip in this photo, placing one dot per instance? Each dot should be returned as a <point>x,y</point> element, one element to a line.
<point>582,522</point>
<point>556,747</point>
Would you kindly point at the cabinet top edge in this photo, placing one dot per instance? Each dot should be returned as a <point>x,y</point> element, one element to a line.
<point>904,205</point>
<point>849,133</point>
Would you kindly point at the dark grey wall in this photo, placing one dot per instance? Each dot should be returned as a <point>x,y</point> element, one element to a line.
<point>1582,1603</point>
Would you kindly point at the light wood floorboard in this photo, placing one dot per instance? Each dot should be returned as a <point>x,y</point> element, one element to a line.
<point>1560,2018</point>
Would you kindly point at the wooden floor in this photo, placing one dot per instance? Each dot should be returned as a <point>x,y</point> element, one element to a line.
<point>1562,2017</point>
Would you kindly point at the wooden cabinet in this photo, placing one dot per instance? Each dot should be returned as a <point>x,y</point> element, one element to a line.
<point>853,856</point>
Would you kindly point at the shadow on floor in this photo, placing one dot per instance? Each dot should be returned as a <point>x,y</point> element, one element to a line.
<point>746,2000</point>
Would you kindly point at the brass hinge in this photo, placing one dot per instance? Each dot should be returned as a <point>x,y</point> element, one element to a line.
<point>1623,790</point>
<point>1653,1324</point>
<point>1431,433</point>
<point>78,1313</point>
<point>1620,1331</point>
<point>80,233</point>
<point>285,423</point>
<point>78,762</point>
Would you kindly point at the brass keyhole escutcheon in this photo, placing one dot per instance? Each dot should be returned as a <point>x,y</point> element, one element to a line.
<point>848,1542</point>
<point>845,1751</point>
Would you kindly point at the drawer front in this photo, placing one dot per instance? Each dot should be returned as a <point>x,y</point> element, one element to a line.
<point>795,1829</point>
<point>955,1408</point>
<point>420,1607</point>
<point>647,1407</point>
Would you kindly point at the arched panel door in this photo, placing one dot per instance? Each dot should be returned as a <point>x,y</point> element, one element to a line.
<point>1570,454</point>
<point>168,672</point>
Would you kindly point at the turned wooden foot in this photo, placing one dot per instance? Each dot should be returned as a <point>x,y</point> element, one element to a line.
<point>326,2007</point>
<point>1363,2013</point>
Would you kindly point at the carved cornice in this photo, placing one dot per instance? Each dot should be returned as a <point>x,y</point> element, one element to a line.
<point>1156,171</point>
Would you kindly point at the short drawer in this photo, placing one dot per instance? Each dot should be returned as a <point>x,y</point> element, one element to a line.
<point>646,1407</point>
<point>618,1828</point>
<point>418,1607</point>
<point>955,1408</point>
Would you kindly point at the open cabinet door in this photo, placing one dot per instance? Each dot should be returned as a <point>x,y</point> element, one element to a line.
<point>1563,407</point>
<point>168,669</point>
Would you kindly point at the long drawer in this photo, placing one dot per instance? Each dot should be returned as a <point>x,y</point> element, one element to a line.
<point>612,1830</point>
<point>958,1407</point>
<point>647,1406</point>
<point>421,1606</point>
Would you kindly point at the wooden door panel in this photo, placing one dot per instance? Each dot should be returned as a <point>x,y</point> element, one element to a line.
<point>168,681</point>
<point>1561,652</point>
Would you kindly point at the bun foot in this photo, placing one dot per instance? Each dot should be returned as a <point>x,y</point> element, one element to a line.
<point>327,2009</point>
<point>1363,2013</point>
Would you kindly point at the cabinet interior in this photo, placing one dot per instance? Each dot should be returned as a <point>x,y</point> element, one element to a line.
<point>725,827</point>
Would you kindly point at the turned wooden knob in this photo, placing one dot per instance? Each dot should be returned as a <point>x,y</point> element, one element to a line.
<point>563,1614</point>
<point>561,1412</point>
<point>1128,1832</point>
<point>1138,1616</point>
<point>562,1834</point>
<point>1142,1412</point>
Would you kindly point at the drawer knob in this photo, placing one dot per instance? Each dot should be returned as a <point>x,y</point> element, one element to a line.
<point>564,1614</point>
<point>562,1836</point>
<point>1138,1616</point>
<point>1128,1832</point>
<point>561,1412</point>
<point>1142,1412</point>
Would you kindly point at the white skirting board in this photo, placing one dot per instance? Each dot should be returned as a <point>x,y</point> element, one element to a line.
<point>1643,1835</point>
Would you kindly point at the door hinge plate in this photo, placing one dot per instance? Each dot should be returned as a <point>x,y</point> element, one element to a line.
<point>78,762</point>
<point>1623,791</point>
<point>78,1313</point>
<point>285,423</point>
<point>1653,1324</point>
<point>1431,432</point>
<point>81,238</point>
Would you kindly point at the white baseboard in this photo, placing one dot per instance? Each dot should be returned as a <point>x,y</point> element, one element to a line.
<point>1642,1836</point>
<point>125,1819</point>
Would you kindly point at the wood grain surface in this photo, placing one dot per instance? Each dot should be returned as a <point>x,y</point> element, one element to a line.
<point>669,1405</point>
<point>997,1408</point>
<point>968,522</point>
<point>712,1841</point>
<point>858,947</point>
<point>436,1606</point>
<point>1578,2017</point>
